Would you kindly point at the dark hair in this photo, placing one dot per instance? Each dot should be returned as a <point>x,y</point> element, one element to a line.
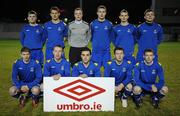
<point>118,48</point>
<point>55,8</point>
<point>58,47</point>
<point>86,49</point>
<point>148,50</point>
<point>148,10</point>
<point>124,10</point>
<point>101,6</point>
<point>25,49</point>
<point>32,12</point>
<point>78,8</point>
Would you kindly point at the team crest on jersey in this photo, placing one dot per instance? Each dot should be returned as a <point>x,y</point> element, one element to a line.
<point>142,70</point>
<point>129,30</point>
<point>144,30</point>
<point>37,31</point>
<point>20,68</point>
<point>49,27</point>
<point>155,31</point>
<point>90,72</point>
<point>113,69</point>
<point>32,69</point>
<point>27,30</point>
<point>124,69</point>
<point>52,66</point>
<point>81,71</point>
<point>95,27</point>
<point>62,67</point>
<point>119,30</point>
<point>59,28</point>
<point>153,71</point>
<point>106,27</point>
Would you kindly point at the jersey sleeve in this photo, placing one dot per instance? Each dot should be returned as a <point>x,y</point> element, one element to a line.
<point>67,69</point>
<point>97,71</point>
<point>15,76</point>
<point>161,82</point>
<point>46,70</point>
<point>65,32</point>
<point>22,36</point>
<point>160,34</point>
<point>135,34</point>
<point>75,71</point>
<point>107,71</point>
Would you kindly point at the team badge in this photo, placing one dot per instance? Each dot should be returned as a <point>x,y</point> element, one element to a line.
<point>59,28</point>
<point>32,69</point>
<point>37,31</point>
<point>155,31</point>
<point>106,27</point>
<point>91,72</point>
<point>124,69</point>
<point>153,71</point>
<point>62,67</point>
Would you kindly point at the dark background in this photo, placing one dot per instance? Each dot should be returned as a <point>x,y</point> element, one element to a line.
<point>16,10</point>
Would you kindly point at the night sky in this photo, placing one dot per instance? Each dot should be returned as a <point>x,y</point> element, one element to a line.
<point>16,10</point>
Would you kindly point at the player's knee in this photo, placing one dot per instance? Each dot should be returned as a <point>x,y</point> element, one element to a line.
<point>41,87</point>
<point>164,90</point>
<point>13,90</point>
<point>129,87</point>
<point>137,90</point>
<point>35,90</point>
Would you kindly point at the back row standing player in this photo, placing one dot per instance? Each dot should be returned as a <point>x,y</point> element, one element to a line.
<point>125,35</point>
<point>33,37</point>
<point>150,35</point>
<point>101,30</point>
<point>56,31</point>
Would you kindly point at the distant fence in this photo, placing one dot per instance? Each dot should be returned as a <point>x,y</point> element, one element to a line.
<point>11,31</point>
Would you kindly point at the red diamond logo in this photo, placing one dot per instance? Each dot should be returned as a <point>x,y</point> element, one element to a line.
<point>79,90</point>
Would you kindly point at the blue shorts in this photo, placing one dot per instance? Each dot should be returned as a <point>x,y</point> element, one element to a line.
<point>37,54</point>
<point>101,57</point>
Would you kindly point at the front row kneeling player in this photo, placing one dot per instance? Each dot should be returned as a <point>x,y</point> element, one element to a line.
<point>122,71</point>
<point>26,77</point>
<point>145,75</point>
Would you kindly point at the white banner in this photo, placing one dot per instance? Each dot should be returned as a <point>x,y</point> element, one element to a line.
<point>78,94</point>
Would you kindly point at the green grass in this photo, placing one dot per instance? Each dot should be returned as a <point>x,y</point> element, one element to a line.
<point>170,105</point>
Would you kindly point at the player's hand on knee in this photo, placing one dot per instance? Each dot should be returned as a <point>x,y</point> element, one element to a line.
<point>154,88</point>
<point>83,75</point>
<point>25,88</point>
<point>56,77</point>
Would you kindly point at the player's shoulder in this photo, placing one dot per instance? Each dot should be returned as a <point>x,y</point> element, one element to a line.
<point>84,22</point>
<point>116,26</point>
<point>48,22</point>
<point>63,23</point>
<point>109,22</point>
<point>17,61</point>
<point>138,64</point>
<point>78,63</point>
<point>48,61</point>
<point>94,21</point>
<point>140,25</point>
<point>109,62</point>
<point>158,64</point>
<point>72,22</point>
<point>132,25</point>
<point>95,64</point>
